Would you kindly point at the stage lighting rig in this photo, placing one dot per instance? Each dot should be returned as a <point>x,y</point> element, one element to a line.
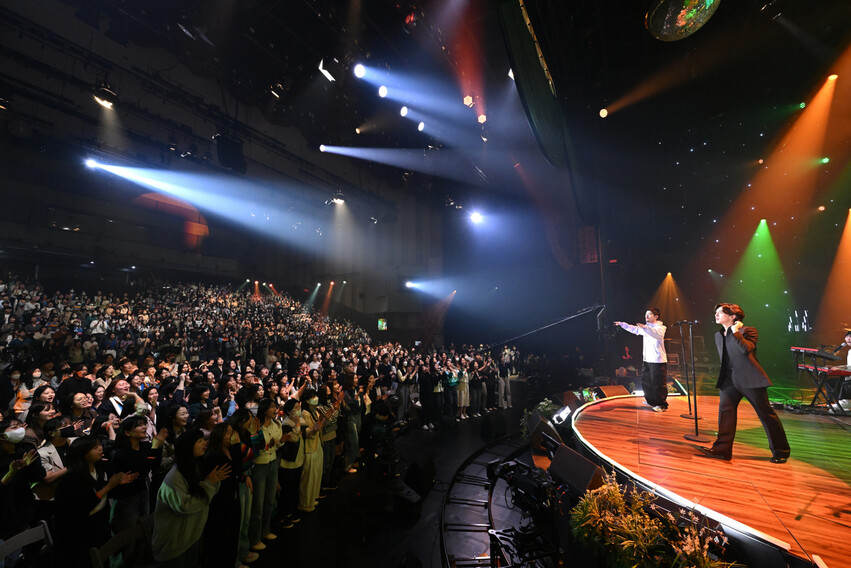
<point>336,199</point>
<point>105,95</point>
<point>190,152</point>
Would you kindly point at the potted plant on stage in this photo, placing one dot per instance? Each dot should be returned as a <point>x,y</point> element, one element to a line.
<point>626,530</point>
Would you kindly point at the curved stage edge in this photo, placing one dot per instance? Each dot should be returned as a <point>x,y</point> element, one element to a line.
<point>793,514</point>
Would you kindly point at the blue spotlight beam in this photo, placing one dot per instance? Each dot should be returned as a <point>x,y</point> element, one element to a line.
<point>243,203</point>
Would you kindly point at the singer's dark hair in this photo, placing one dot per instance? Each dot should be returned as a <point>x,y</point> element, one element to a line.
<point>655,311</point>
<point>732,310</point>
<point>848,333</point>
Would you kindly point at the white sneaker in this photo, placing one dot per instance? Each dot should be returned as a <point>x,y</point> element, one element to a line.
<point>659,409</point>
<point>425,426</point>
<point>430,426</point>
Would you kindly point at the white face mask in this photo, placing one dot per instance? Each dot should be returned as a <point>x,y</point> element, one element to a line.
<point>15,436</point>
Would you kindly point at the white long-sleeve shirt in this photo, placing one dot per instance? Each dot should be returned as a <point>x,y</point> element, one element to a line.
<point>654,340</point>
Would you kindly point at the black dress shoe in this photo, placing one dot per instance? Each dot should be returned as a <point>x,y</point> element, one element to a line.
<point>710,453</point>
<point>779,460</point>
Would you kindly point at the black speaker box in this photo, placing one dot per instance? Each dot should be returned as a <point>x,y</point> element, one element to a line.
<point>538,425</point>
<point>569,399</point>
<point>575,471</point>
<point>611,390</point>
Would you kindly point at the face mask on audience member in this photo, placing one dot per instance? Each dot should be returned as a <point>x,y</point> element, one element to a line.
<point>14,436</point>
<point>37,375</point>
<point>313,401</point>
<point>16,376</point>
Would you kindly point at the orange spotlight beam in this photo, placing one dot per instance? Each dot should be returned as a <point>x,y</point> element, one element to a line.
<point>834,314</point>
<point>669,301</point>
<point>327,301</point>
<point>784,185</point>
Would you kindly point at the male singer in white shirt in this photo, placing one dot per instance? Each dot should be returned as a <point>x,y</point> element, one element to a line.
<point>654,370</point>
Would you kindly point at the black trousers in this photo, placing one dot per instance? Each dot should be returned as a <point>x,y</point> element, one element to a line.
<point>728,416</point>
<point>654,383</point>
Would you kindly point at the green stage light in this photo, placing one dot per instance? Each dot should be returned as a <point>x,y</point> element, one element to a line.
<point>759,285</point>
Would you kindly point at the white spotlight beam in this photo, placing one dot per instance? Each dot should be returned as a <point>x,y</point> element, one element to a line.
<point>445,163</point>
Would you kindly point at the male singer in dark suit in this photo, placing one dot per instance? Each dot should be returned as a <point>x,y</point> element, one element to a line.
<point>742,376</point>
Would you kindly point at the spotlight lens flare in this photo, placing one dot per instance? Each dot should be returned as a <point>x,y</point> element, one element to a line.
<point>91,163</point>
<point>322,147</point>
<point>604,113</point>
<point>420,126</point>
<point>476,217</point>
<point>382,91</point>
<point>404,111</point>
<point>360,71</point>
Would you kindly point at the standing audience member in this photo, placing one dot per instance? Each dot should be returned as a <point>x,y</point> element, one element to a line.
<point>20,467</point>
<point>133,454</point>
<point>291,463</point>
<point>183,503</point>
<point>82,510</point>
<point>221,534</point>
<point>247,435</point>
<point>264,476</point>
<point>311,475</point>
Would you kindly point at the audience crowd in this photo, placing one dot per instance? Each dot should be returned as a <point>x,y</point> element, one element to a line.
<point>219,416</point>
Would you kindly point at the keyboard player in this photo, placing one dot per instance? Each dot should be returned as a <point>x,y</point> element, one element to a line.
<point>843,389</point>
<point>846,343</point>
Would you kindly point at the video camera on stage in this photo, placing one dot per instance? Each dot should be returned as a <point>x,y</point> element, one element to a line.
<point>531,489</point>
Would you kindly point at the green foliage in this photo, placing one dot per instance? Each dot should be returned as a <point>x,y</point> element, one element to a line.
<point>547,408</point>
<point>627,532</point>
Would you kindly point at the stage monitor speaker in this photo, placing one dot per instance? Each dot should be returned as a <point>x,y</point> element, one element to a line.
<point>569,399</point>
<point>538,425</point>
<point>493,427</point>
<point>611,390</point>
<point>575,471</point>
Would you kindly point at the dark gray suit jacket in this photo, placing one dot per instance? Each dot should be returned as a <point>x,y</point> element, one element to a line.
<point>741,349</point>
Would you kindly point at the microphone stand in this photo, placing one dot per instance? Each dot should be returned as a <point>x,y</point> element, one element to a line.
<point>685,371</point>
<point>696,437</point>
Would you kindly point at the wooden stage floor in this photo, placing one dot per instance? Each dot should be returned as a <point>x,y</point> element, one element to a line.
<point>805,503</point>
